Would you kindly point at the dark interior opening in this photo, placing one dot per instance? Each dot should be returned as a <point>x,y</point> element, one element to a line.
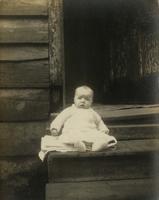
<point>110,46</point>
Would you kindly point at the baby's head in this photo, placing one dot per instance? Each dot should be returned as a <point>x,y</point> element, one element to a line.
<point>83,97</point>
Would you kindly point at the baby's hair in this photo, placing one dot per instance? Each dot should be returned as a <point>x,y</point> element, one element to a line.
<point>86,88</point>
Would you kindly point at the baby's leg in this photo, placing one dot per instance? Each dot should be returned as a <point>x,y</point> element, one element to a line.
<point>98,146</point>
<point>80,146</point>
<point>101,145</point>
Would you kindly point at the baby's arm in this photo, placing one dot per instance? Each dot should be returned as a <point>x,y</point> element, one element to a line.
<point>100,124</point>
<point>102,127</point>
<point>59,121</point>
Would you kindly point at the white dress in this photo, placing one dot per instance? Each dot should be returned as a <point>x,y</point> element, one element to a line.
<point>80,124</point>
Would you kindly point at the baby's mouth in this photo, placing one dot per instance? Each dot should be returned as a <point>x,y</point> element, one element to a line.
<point>82,105</point>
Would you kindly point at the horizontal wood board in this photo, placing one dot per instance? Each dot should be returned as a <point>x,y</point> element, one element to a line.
<point>126,114</point>
<point>28,135</point>
<point>127,111</point>
<point>31,74</point>
<point>23,52</point>
<point>24,104</point>
<point>23,7</point>
<point>130,159</point>
<point>24,30</point>
<point>134,131</point>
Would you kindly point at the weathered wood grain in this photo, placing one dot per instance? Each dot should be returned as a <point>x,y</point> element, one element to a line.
<point>27,136</point>
<point>23,7</point>
<point>21,139</point>
<point>132,112</point>
<point>126,114</point>
<point>142,189</point>
<point>23,52</point>
<point>23,30</point>
<point>29,74</point>
<point>23,105</point>
<point>20,130</point>
<point>135,131</point>
<point>23,146</point>
<point>130,160</point>
<point>56,41</point>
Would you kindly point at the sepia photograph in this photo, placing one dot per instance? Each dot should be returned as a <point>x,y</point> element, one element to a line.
<point>79,99</point>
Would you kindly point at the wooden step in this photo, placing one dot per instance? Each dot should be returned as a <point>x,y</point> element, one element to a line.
<point>140,189</point>
<point>126,114</point>
<point>130,131</point>
<point>129,160</point>
<point>135,131</point>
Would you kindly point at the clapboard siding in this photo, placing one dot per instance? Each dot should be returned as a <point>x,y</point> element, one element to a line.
<point>23,7</point>
<point>22,105</point>
<point>26,136</point>
<point>23,30</point>
<point>24,74</point>
<point>19,147</point>
<point>23,52</point>
<point>27,130</point>
<point>24,96</point>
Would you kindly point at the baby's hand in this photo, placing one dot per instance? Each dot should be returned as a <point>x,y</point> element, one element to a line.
<point>54,132</point>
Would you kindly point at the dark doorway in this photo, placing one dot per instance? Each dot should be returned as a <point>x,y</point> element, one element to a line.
<point>106,47</point>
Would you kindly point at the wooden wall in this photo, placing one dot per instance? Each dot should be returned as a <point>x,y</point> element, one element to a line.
<point>24,69</point>
<point>24,96</point>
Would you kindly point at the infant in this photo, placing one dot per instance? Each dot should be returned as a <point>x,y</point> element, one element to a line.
<point>80,125</point>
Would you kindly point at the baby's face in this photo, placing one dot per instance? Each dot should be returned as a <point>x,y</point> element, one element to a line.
<point>83,99</point>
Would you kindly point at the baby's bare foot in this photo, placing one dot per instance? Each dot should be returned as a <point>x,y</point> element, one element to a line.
<point>80,146</point>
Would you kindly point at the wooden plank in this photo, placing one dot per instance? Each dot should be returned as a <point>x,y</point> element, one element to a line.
<point>56,96</point>
<point>23,30</point>
<point>24,74</point>
<point>127,113</point>
<point>20,146</point>
<point>56,42</point>
<point>20,130</point>
<point>141,189</point>
<point>135,131</point>
<point>24,104</point>
<point>128,147</point>
<point>26,136</point>
<point>130,160</point>
<point>33,131</point>
<point>23,52</point>
<point>23,7</point>
<point>123,131</point>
